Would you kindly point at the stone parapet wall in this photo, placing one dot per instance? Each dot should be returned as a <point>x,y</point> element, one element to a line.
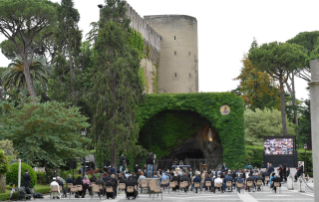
<point>148,33</point>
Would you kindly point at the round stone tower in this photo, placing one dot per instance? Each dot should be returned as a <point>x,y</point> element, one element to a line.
<point>178,65</point>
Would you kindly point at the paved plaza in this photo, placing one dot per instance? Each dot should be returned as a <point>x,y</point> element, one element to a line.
<point>266,195</point>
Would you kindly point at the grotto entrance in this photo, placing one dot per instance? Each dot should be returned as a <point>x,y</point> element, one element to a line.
<point>181,137</point>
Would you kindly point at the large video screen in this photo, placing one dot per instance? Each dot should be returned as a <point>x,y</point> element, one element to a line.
<point>278,146</point>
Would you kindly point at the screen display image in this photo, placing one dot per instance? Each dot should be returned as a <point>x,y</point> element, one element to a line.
<point>278,146</point>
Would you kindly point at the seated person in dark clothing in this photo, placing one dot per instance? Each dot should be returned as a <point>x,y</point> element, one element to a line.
<point>130,182</point>
<point>228,178</point>
<point>275,179</point>
<point>106,177</point>
<point>61,184</point>
<point>185,179</point>
<point>175,179</point>
<point>239,180</point>
<point>258,177</point>
<point>80,182</point>
<point>250,178</point>
<point>197,179</point>
<point>70,180</point>
<point>93,178</point>
<point>208,179</point>
<point>100,181</point>
<point>264,175</point>
<point>110,183</point>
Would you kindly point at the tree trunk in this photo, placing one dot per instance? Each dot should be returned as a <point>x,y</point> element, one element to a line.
<point>28,79</point>
<point>2,183</point>
<point>282,106</point>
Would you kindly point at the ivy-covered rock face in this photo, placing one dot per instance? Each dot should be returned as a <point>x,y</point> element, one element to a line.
<point>173,123</point>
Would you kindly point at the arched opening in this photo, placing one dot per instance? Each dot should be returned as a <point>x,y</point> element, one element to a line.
<point>181,137</point>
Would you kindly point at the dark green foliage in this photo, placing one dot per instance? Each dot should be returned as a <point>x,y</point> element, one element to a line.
<point>254,156</point>
<point>102,154</point>
<point>12,175</point>
<point>116,88</point>
<point>46,133</point>
<point>66,58</point>
<point>306,39</point>
<point>301,157</point>
<point>136,41</point>
<point>305,125</point>
<point>230,127</point>
<point>309,40</point>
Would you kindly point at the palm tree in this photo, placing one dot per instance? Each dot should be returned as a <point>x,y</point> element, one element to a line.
<point>14,76</point>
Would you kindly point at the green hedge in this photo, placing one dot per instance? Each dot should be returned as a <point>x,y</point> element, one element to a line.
<point>229,127</point>
<point>12,175</point>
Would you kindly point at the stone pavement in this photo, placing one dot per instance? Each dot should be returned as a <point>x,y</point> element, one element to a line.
<point>266,195</point>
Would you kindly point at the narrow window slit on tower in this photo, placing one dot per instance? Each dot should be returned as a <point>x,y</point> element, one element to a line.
<point>190,76</point>
<point>174,37</point>
<point>175,75</point>
<point>190,53</point>
<point>174,52</point>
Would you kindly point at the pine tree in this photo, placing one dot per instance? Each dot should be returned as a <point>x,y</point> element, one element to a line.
<point>117,89</point>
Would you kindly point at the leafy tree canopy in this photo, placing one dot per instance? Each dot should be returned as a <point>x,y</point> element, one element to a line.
<point>279,60</point>
<point>7,147</point>
<point>261,123</point>
<point>45,133</point>
<point>308,40</point>
<point>257,88</point>
<point>26,24</point>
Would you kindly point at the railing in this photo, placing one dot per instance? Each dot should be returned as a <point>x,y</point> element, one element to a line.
<point>167,163</point>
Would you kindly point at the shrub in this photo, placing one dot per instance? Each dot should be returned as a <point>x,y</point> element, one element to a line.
<point>42,178</point>
<point>12,175</point>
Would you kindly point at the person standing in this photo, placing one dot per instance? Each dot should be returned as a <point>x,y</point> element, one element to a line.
<point>122,162</point>
<point>150,162</point>
<point>26,178</point>
<point>26,181</point>
<point>284,169</point>
<point>224,167</point>
<point>270,169</point>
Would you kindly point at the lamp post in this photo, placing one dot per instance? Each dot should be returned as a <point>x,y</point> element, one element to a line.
<point>305,147</point>
<point>83,133</point>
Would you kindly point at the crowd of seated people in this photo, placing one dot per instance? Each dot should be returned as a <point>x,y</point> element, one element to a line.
<point>207,180</point>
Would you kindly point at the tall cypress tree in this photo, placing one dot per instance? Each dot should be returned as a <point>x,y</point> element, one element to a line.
<point>117,89</point>
<point>67,49</point>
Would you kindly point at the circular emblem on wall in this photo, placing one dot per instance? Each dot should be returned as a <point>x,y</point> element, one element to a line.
<point>225,110</point>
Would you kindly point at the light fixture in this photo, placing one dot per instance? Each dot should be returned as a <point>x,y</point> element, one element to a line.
<point>100,6</point>
<point>305,146</point>
<point>210,135</point>
<point>83,132</point>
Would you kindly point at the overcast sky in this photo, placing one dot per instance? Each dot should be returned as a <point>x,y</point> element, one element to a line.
<point>226,30</point>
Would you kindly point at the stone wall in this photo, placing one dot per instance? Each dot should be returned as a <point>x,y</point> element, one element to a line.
<point>151,40</point>
<point>178,65</point>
